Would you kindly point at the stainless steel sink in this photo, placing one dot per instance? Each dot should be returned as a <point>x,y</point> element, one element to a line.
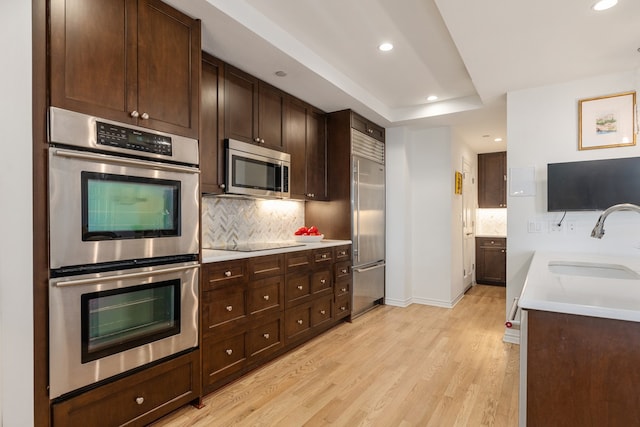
<point>590,269</point>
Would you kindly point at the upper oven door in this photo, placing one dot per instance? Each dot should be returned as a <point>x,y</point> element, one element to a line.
<point>105,208</point>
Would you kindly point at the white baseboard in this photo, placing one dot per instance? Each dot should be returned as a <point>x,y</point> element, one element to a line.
<point>511,336</point>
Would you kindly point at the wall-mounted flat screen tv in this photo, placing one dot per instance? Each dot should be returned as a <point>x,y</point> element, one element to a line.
<point>592,185</point>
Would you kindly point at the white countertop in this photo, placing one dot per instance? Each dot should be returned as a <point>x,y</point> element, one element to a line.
<point>576,294</point>
<point>211,255</point>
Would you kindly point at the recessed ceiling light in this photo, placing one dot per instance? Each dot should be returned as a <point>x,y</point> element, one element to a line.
<point>280,73</point>
<point>431,98</point>
<point>385,47</point>
<point>498,140</point>
<point>604,5</point>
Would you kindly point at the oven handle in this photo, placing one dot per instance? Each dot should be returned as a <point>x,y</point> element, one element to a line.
<point>123,276</point>
<point>122,160</point>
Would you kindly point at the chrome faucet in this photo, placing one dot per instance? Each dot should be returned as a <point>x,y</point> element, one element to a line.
<point>598,230</point>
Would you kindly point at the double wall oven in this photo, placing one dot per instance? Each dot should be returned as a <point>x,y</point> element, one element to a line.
<point>123,248</point>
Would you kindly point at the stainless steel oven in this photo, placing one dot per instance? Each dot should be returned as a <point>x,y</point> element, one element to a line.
<point>119,193</point>
<point>105,324</point>
<point>123,242</point>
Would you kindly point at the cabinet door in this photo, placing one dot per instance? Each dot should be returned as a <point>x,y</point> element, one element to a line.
<point>492,180</point>
<point>94,66</point>
<point>491,262</point>
<point>241,97</point>
<point>316,155</point>
<point>168,69</point>
<point>365,126</point>
<point>295,141</point>
<point>270,116</point>
<point>212,116</point>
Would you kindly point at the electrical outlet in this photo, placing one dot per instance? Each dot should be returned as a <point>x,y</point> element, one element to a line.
<point>571,227</point>
<point>554,227</point>
<point>534,226</point>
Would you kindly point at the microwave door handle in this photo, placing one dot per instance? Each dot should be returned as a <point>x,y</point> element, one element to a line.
<point>122,161</point>
<point>92,280</point>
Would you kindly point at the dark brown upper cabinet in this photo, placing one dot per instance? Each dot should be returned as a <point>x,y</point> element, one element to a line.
<point>212,117</point>
<point>367,127</point>
<point>492,180</point>
<point>254,110</point>
<point>131,61</point>
<point>305,141</point>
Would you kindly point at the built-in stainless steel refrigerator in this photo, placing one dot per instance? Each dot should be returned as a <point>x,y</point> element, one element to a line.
<point>368,222</point>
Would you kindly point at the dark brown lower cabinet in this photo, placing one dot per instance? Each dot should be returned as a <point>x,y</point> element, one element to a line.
<point>491,260</point>
<point>582,371</point>
<point>256,309</point>
<point>135,400</point>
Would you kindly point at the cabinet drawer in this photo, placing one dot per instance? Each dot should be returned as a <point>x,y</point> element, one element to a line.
<point>342,288</point>
<point>297,289</point>
<point>137,399</point>
<point>298,261</point>
<point>224,305</point>
<point>322,257</point>
<point>266,295</point>
<point>266,266</point>
<point>494,242</point>
<point>224,273</point>
<point>321,311</point>
<point>223,356</point>
<point>297,321</point>
<point>265,338</point>
<point>321,281</point>
<point>342,271</point>
<point>343,253</point>
<point>342,306</point>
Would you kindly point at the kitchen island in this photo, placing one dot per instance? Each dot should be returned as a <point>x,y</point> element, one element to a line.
<point>579,341</point>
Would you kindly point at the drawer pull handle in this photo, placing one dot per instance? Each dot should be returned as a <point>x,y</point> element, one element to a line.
<point>140,400</point>
<point>299,287</point>
<point>343,253</point>
<point>266,297</point>
<point>324,256</point>
<point>492,242</point>
<point>344,289</point>
<point>323,312</point>
<point>299,321</point>
<point>343,308</point>
<point>227,273</point>
<point>229,351</point>
<point>229,308</point>
<point>323,281</point>
<point>266,336</point>
<point>344,271</point>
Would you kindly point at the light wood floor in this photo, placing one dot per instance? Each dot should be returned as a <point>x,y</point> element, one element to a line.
<point>414,366</point>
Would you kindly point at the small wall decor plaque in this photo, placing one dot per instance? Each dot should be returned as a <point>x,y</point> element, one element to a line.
<point>458,187</point>
<point>607,121</point>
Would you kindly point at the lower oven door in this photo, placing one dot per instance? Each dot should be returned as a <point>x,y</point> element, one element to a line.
<point>105,324</point>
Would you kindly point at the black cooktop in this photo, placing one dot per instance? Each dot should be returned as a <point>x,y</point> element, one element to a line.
<point>254,246</point>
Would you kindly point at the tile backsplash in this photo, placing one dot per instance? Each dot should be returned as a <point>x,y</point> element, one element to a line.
<point>491,222</point>
<point>234,220</point>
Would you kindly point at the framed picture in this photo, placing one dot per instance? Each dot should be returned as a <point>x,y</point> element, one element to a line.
<point>458,187</point>
<point>607,121</point>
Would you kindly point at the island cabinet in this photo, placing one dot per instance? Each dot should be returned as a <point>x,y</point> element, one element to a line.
<point>581,371</point>
<point>492,180</point>
<point>137,399</point>
<point>132,61</point>
<point>306,142</point>
<point>491,260</point>
<point>211,125</point>
<point>253,109</point>
<point>254,309</point>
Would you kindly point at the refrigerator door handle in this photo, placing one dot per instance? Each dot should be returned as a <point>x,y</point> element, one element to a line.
<point>356,172</point>
<point>373,267</point>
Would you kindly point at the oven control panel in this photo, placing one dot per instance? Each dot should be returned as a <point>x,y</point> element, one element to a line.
<point>123,137</point>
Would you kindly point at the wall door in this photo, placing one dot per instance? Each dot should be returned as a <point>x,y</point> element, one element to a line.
<point>468,221</point>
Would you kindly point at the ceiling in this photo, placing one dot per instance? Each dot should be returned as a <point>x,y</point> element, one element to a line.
<point>468,53</point>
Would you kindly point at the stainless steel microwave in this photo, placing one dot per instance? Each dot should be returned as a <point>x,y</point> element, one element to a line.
<point>256,171</point>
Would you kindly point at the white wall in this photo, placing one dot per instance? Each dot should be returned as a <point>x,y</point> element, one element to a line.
<point>16,298</point>
<point>424,217</point>
<point>542,128</point>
